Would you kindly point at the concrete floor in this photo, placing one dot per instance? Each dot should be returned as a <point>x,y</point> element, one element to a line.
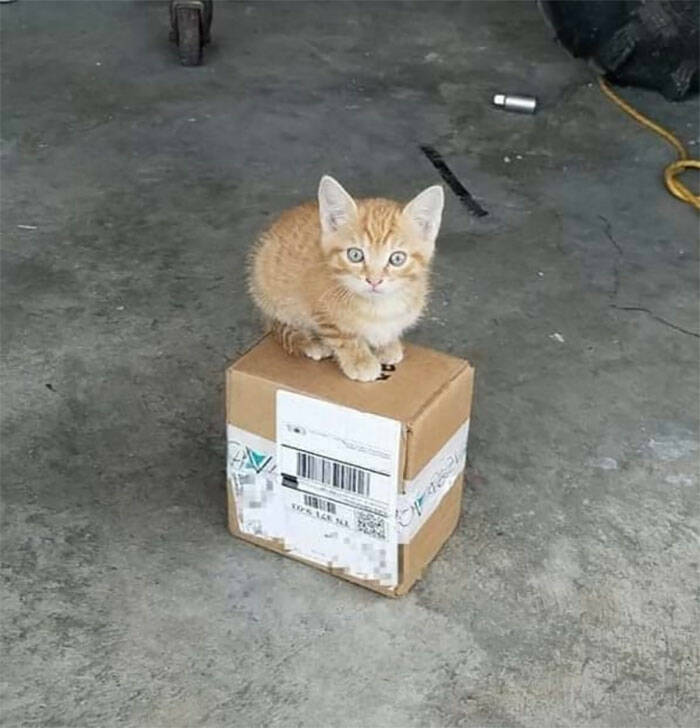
<point>567,596</point>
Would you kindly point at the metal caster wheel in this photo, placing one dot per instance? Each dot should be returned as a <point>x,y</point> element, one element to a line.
<point>190,25</point>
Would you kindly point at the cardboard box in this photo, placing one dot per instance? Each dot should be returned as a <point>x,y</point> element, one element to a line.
<point>361,480</point>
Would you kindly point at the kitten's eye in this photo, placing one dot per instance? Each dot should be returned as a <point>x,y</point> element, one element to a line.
<point>355,255</point>
<point>397,258</point>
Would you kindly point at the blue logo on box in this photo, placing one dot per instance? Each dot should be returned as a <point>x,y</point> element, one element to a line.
<point>256,460</point>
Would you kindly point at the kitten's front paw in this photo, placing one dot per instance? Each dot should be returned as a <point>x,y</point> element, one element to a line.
<point>361,369</point>
<point>391,353</point>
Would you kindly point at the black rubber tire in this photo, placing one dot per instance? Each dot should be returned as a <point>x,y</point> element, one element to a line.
<point>653,44</point>
<point>189,36</point>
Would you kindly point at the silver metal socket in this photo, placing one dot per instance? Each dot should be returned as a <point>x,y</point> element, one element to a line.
<point>511,102</point>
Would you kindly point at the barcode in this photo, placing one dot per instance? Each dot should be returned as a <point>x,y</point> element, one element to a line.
<point>330,472</point>
<point>320,503</point>
<point>370,524</point>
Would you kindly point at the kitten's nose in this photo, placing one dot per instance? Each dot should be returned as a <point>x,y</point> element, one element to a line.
<point>374,282</point>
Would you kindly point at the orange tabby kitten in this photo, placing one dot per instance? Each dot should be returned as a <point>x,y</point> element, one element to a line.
<point>346,277</point>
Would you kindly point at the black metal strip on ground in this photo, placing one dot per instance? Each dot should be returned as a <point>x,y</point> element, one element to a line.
<point>435,158</point>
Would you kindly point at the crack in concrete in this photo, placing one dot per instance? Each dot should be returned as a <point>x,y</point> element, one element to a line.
<point>616,286</point>
<point>608,234</point>
<point>663,321</point>
<point>616,270</point>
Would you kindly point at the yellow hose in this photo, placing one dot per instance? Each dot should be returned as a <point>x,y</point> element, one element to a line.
<point>671,172</point>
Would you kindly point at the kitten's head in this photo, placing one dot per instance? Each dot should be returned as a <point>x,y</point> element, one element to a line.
<point>378,247</point>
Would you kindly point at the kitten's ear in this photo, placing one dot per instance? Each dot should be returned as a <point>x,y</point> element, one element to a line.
<point>424,212</point>
<point>335,205</point>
